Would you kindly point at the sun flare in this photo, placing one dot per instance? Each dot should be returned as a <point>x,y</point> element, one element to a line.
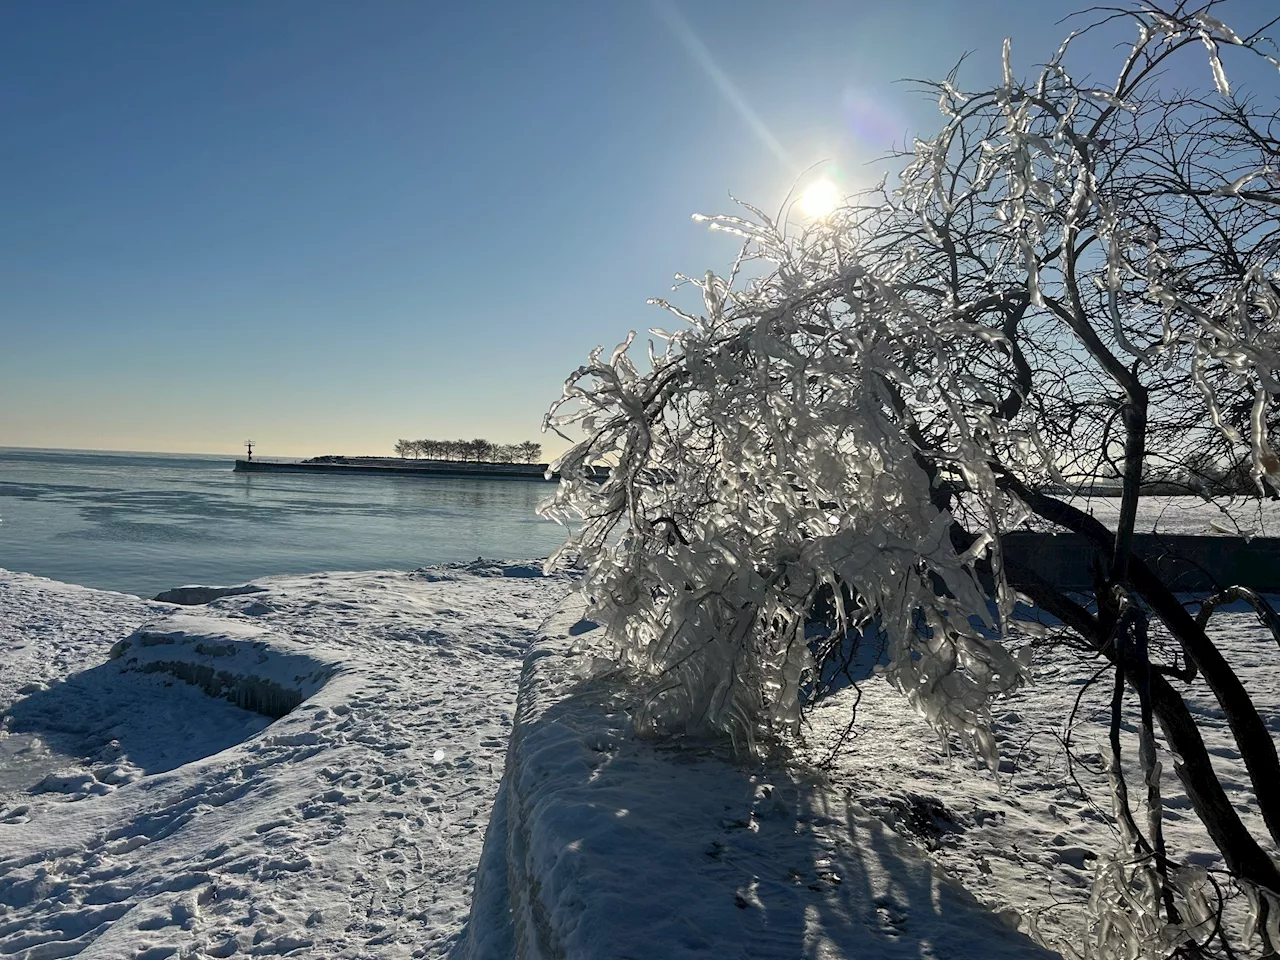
<point>819,199</point>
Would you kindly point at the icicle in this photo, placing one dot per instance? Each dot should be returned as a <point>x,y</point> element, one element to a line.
<point>1215,64</point>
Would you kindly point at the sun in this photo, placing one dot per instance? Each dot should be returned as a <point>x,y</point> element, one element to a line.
<point>820,198</point>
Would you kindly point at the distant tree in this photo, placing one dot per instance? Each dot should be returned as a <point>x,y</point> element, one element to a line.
<point>476,450</point>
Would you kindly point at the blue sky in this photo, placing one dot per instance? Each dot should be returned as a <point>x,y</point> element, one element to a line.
<point>327,225</point>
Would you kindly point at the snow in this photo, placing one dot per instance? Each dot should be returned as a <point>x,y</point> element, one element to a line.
<point>1025,839</point>
<point>1192,516</point>
<point>166,822</point>
<point>141,816</point>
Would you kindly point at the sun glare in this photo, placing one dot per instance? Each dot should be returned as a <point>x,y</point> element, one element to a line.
<point>819,199</point>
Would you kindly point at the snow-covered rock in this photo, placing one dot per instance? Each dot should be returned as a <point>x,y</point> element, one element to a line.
<point>603,845</point>
<point>194,594</point>
<point>237,661</point>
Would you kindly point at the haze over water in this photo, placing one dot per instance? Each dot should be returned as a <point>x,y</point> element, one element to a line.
<point>142,523</point>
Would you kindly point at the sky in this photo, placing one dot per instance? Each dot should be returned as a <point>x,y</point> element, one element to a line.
<point>328,225</point>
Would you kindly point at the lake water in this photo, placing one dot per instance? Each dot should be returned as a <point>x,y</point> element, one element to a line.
<point>142,523</point>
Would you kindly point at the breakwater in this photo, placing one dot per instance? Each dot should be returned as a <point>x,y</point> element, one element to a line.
<point>379,466</point>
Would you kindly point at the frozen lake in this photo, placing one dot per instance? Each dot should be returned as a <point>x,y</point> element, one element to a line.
<point>142,523</point>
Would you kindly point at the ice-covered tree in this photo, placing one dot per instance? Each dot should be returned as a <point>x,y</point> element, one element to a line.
<point>1070,280</point>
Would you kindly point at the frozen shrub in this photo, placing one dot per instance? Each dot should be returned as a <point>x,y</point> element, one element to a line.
<point>1071,282</point>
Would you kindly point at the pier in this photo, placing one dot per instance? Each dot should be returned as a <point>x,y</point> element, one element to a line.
<point>394,466</point>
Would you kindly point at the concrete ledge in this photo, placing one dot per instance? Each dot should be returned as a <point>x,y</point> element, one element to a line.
<point>1189,564</point>
<point>603,845</point>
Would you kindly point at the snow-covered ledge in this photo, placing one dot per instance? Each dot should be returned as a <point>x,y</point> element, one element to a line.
<point>603,845</point>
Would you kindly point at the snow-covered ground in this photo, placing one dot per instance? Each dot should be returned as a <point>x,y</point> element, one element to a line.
<point>166,822</point>
<point>1247,516</point>
<point>144,816</point>
<point>1025,839</point>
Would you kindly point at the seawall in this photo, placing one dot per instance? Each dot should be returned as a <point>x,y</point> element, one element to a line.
<point>1189,564</point>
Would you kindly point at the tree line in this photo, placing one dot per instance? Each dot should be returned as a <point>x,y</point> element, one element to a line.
<point>474,450</point>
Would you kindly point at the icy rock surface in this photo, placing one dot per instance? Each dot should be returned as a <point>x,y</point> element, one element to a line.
<point>604,845</point>
<point>179,824</point>
<point>195,595</point>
